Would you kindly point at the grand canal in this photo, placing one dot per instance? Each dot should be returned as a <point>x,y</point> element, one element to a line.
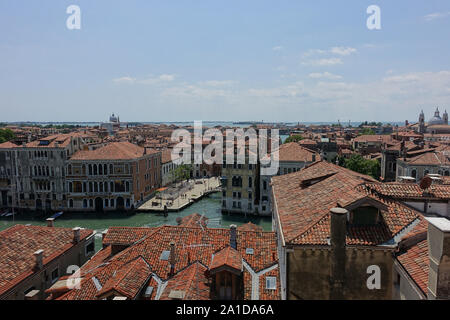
<point>208,206</point>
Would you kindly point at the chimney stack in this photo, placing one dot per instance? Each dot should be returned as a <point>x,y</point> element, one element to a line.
<point>439,255</point>
<point>233,242</point>
<point>337,241</point>
<point>172,259</point>
<point>50,222</point>
<point>76,234</point>
<point>39,259</point>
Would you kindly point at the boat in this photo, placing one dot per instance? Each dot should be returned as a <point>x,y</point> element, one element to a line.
<point>9,214</point>
<point>56,215</point>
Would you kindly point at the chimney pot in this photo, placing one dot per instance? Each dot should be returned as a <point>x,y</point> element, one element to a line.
<point>39,258</point>
<point>50,222</point>
<point>233,242</point>
<point>76,234</point>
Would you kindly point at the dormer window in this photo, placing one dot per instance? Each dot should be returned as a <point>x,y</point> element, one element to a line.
<point>365,216</point>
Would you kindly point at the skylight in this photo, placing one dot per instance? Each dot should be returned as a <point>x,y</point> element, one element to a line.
<point>249,251</point>
<point>165,255</point>
<point>271,283</point>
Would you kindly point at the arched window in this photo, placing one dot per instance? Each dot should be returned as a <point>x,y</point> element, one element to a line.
<point>95,169</point>
<point>83,169</point>
<point>90,187</point>
<point>100,169</point>
<point>91,203</point>
<point>111,186</point>
<point>84,203</point>
<point>128,203</point>
<point>70,187</point>
<point>414,173</point>
<point>105,169</point>
<point>100,187</point>
<point>106,203</point>
<point>127,186</point>
<point>69,169</point>
<point>95,187</point>
<point>71,203</point>
<point>90,169</point>
<point>111,171</point>
<point>112,203</point>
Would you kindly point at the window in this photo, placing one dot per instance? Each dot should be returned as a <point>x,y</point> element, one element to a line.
<point>271,283</point>
<point>364,216</point>
<point>90,248</point>
<point>55,275</point>
<point>249,251</point>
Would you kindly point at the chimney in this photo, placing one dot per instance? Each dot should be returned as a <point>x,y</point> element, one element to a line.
<point>76,234</point>
<point>233,242</point>
<point>39,259</point>
<point>337,241</point>
<point>439,255</point>
<point>172,257</point>
<point>50,222</point>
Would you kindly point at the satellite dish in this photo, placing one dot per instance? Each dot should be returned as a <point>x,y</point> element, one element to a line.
<point>425,183</point>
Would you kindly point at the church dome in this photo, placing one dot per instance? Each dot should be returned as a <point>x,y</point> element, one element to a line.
<point>436,119</point>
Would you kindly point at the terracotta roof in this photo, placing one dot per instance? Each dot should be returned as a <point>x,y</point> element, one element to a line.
<point>398,190</point>
<point>416,263</point>
<point>373,138</point>
<point>227,257</point>
<point>304,199</point>
<point>7,145</point>
<point>193,220</point>
<point>191,282</point>
<point>128,280</point>
<point>293,152</point>
<point>18,244</point>
<point>192,245</point>
<point>53,141</point>
<point>429,158</point>
<point>125,235</point>
<point>249,227</point>
<point>113,151</point>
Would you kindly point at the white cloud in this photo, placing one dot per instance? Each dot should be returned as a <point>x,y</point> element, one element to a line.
<point>343,51</point>
<point>218,83</point>
<point>277,48</point>
<point>150,80</point>
<point>124,80</point>
<point>436,15</point>
<point>324,75</point>
<point>323,62</point>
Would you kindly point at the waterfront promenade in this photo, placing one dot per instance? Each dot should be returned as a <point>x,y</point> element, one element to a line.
<point>199,188</point>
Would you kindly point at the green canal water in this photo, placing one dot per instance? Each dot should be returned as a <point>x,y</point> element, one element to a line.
<point>208,206</point>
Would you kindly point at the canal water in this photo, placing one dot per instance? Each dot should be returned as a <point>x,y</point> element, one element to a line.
<point>208,206</point>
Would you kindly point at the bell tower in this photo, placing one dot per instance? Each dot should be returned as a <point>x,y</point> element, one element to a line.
<point>445,117</point>
<point>422,122</point>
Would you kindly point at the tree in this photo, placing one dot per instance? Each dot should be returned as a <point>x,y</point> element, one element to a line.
<point>6,135</point>
<point>365,166</point>
<point>366,132</point>
<point>294,138</point>
<point>182,172</point>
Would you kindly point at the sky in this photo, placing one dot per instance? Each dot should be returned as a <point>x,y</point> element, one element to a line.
<point>214,60</point>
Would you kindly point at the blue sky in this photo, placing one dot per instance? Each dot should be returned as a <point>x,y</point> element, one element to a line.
<point>223,60</point>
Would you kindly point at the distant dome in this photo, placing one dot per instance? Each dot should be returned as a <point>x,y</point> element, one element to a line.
<point>436,119</point>
<point>113,118</point>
